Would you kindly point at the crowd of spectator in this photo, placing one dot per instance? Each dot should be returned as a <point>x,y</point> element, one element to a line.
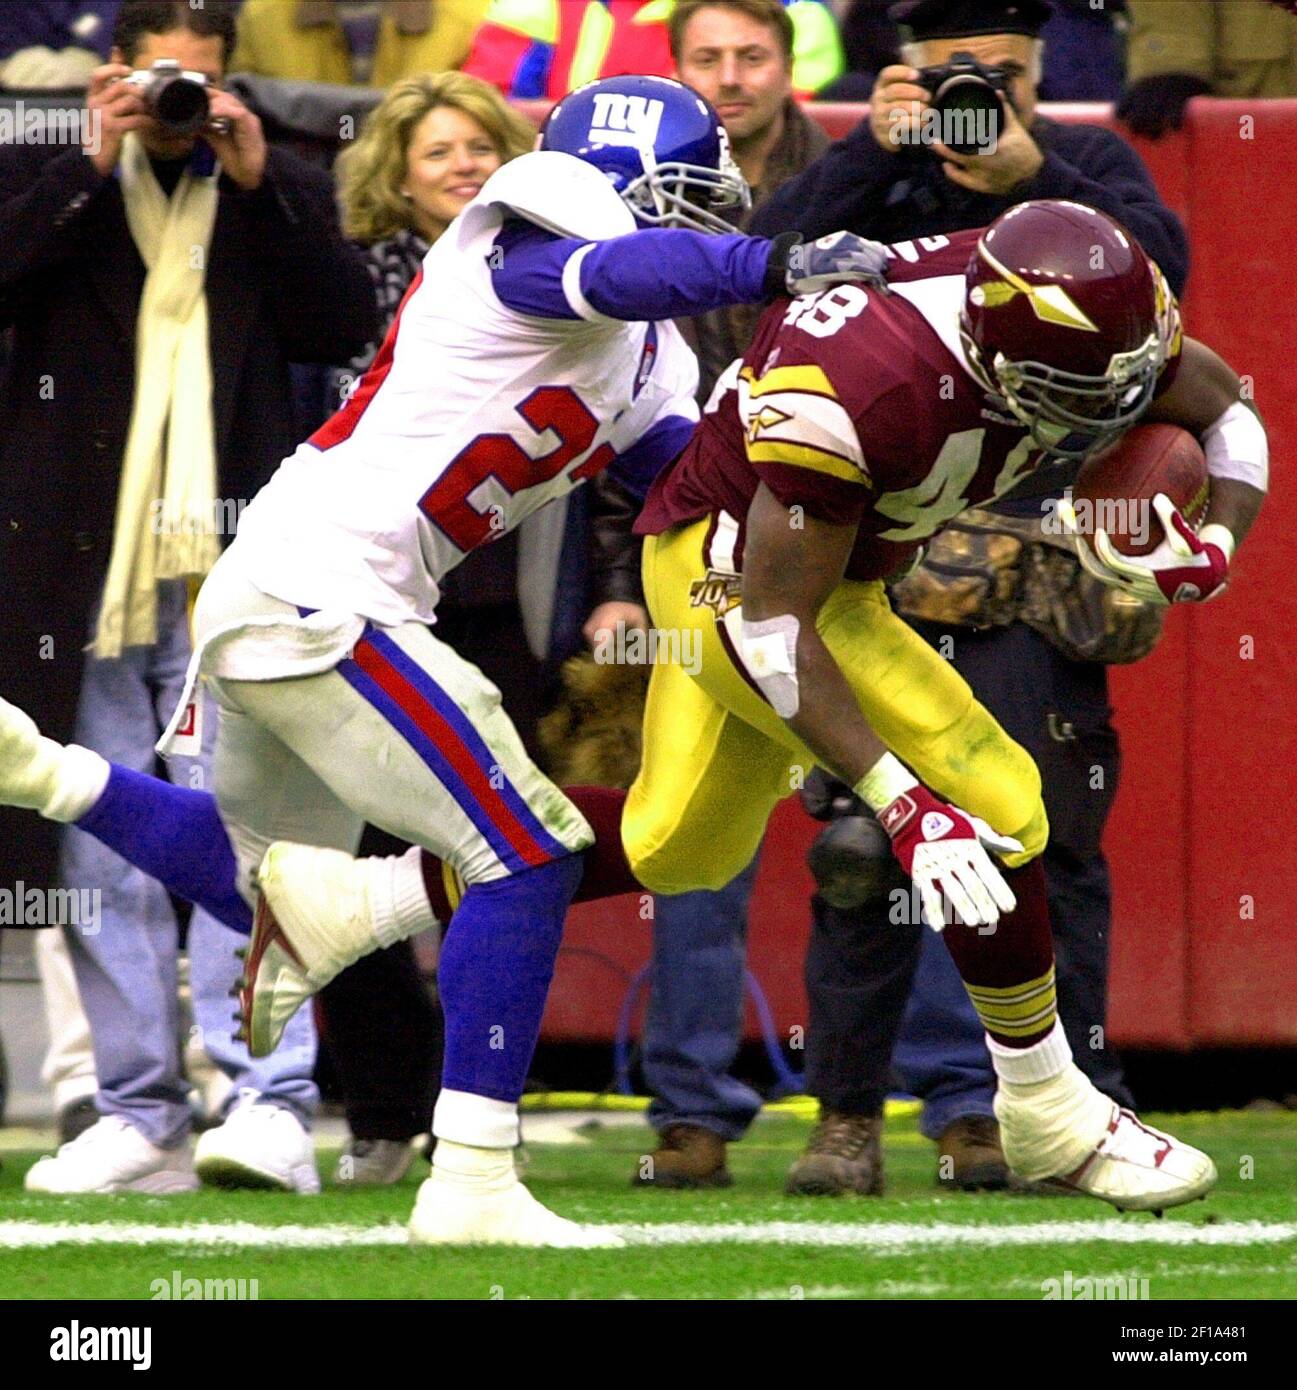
<point>1152,55</point>
<point>279,316</point>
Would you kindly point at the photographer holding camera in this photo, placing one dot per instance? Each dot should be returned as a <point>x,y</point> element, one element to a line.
<point>160,273</point>
<point>890,180</point>
<point>1037,659</point>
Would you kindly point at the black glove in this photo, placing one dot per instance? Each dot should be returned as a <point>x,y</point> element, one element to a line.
<point>825,798</point>
<point>853,863</point>
<point>1156,104</point>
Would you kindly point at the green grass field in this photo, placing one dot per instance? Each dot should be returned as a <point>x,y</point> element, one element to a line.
<point>747,1242</point>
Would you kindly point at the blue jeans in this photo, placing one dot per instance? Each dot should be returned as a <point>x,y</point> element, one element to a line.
<point>940,1053</point>
<point>694,1021</point>
<point>126,963</point>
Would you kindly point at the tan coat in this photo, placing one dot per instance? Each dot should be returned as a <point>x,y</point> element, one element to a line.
<point>1244,48</point>
<point>273,43</point>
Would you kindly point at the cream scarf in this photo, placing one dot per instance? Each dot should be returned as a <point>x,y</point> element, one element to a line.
<point>165,524</point>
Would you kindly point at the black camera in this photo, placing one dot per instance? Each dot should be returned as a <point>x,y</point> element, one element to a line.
<point>177,99</point>
<point>966,97</point>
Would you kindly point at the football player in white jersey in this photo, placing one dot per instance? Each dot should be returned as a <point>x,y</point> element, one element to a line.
<point>534,349</point>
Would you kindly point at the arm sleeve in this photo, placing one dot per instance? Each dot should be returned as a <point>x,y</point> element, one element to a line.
<point>819,495</point>
<point>844,189</point>
<point>322,296</point>
<point>619,491</point>
<point>660,445</point>
<point>615,549</point>
<point>41,213</point>
<point>644,276</point>
<point>1115,181</point>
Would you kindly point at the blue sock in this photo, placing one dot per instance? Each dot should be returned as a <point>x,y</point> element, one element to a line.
<point>494,973</point>
<point>176,836</point>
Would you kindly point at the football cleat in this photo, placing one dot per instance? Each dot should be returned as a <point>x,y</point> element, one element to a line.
<point>273,986</point>
<point>1138,1168</point>
<point>447,1212</point>
<point>1068,1135</point>
<point>313,919</point>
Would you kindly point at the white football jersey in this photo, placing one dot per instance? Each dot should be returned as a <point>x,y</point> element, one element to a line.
<point>472,417</point>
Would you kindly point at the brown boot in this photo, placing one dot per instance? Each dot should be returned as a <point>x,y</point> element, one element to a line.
<point>845,1154</point>
<point>970,1157</point>
<point>686,1156</point>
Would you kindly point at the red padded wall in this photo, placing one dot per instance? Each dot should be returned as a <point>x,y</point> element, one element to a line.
<point>1241,709</point>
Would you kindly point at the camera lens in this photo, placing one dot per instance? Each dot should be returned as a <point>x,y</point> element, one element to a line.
<point>181,106</point>
<point>970,113</point>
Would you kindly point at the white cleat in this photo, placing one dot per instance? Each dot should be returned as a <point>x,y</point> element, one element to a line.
<point>1138,1168</point>
<point>1067,1134</point>
<point>313,919</point>
<point>113,1156</point>
<point>259,1145</point>
<point>452,1213</point>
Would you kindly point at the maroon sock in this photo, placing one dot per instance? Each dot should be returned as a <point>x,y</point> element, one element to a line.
<point>607,873</point>
<point>1020,949</point>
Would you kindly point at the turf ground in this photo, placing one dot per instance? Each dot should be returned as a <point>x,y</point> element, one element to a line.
<point>747,1242</point>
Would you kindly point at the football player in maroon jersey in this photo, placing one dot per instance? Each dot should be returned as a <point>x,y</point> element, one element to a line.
<point>858,425</point>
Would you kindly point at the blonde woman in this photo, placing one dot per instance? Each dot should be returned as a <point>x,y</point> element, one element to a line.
<point>422,156</point>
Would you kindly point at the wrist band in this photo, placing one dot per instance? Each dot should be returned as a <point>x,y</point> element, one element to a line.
<point>1236,447</point>
<point>884,782</point>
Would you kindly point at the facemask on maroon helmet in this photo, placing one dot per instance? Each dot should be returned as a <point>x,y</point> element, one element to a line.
<point>1068,322</point>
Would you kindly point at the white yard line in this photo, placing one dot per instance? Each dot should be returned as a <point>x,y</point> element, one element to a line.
<point>880,1238</point>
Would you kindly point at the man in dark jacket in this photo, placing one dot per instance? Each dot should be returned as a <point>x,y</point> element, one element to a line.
<point>888,180</point>
<point>155,306</point>
<point>886,188</point>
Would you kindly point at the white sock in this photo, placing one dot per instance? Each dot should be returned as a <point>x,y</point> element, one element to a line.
<point>1028,1066</point>
<point>398,899</point>
<point>486,1170</point>
<point>476,1121</point>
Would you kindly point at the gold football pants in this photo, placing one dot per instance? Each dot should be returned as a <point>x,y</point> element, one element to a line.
<point>717,758</point>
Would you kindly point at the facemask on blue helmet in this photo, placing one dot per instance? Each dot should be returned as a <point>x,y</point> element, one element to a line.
<point>661,146</point>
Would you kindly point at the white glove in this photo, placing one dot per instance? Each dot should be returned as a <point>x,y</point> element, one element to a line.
<point>943,849</point>
<point>1185,567</point>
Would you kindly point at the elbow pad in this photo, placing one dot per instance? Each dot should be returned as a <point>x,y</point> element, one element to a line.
<point>769,651</point>
<point>1236,447</point>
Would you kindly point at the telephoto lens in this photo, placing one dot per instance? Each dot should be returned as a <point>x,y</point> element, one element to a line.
<point>966,96</point>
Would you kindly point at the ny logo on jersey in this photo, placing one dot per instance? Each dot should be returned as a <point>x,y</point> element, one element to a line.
<point>626,120</point>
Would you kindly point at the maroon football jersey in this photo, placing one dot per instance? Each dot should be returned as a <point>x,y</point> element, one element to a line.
<point>858,406</point>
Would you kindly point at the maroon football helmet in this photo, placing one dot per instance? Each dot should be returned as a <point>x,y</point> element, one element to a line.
<point>1068,322</point>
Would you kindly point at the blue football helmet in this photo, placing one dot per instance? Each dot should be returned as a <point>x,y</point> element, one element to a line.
<point>659,143</point>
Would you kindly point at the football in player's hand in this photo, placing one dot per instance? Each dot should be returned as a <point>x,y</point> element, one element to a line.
<point>1115,489</point>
